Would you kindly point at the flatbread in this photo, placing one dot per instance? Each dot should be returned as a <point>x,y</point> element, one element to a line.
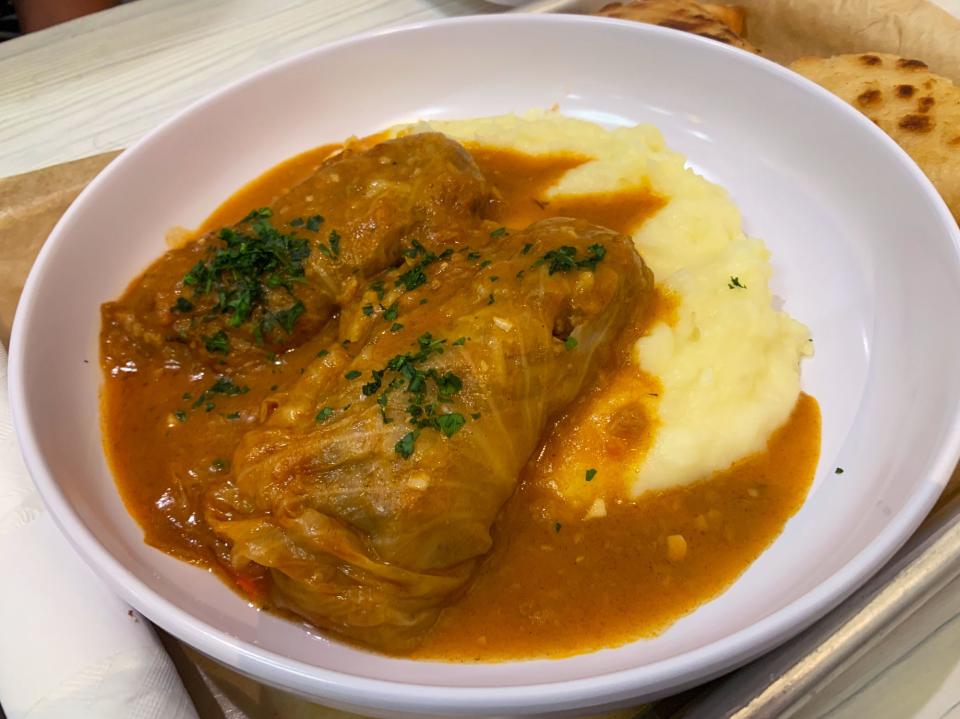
<point>687,15</point>
<point>917,108</point>
<point>788,29</point>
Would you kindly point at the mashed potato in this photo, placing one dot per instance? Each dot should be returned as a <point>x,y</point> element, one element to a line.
<point>727,362</point>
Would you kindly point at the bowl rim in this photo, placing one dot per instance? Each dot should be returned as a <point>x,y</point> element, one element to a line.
<point>670,674</point>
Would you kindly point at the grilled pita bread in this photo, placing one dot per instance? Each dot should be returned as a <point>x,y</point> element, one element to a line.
<point>717,22</point>
<point>917,108</point>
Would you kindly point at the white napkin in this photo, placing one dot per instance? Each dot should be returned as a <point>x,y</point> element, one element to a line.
<point>68,647</point>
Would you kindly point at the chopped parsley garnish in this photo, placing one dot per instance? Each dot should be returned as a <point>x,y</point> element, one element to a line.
<point>353,374</point>
<point>735,283</point>
<point>450,424</point>
<point>570,343</point>
<point>313,223</point>
<point>296,222</point>
<point>405,446</point>
<point>473,255</point>
<point>415,276</point>
<point>187,395</point>
<point>475,415</point>
<point>368,310</point>
<point>324,414</point>
<point>377,287</point>
<point>564,259</point>
<point>182,305</point>
<point>485,264</point>
<point>396,327</point>
<point>591,473</point>
<point>232,416</point>
<point>526,248</point>
<point>520,274</point>
<point>490,299</point>
<point>499,232</point>
<point>333,249</point>
<point>180,415</point>
<point>218,342</point>
<point>224,386</point>
<point>425,391</point>
<point>286,319</point>
<point>252,262</point>
<point>494,278</point>
<point>458,342</point>
<point>557,527</point>
<point>261,213</point>
<point>838,470</point>
<point>218,465</point>
<point>323,353</point>
<point>391,312</point>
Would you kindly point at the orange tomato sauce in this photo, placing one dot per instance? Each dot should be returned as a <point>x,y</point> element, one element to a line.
<point>555,584</point>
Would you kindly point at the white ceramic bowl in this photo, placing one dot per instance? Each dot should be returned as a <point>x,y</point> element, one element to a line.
<point>864,252</point>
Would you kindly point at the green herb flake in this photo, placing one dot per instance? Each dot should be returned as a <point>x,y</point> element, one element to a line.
<point>735,283</point>
<point>377,287</point>
<point>396,327</point>
<point>251,263</point>
<point>475,416</point>
<point>218,465</point>
<point>405,446</point>
<point>557,527</point>
<point>838,470</point>
<point>391,313</point>
<point>591,473</point>
<point>451,423</point>
<point>324,414</point>
<point>459,342</point>
<point>224,386</point>
<point>261,213</point>
<point>296,222</point>
<point>182,305</point>
<point>490,300</point>
<point>232,416</point>
<point>485,264</point>
<point>180,415</point>
<point>218,342</point>
<point>353,374</point>
<point>187,395</point>
<point>499,232</point>
<point>335,243</point>
<point>323,353</point>
<point>473,255</point>
<point>494,278</point>
<point>313,223</point>
<point>564,259</point>
<point>526,248</point>
<point>570,343</point>
<point>368,310</point>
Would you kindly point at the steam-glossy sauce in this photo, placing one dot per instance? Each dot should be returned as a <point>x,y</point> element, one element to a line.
<point>555,584</point>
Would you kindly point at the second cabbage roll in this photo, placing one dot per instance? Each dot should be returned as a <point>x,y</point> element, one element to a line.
<point>365,499</point>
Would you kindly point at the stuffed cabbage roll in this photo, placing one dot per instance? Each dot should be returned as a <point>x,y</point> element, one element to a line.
<point>277,276</point>
<point>366,498</point>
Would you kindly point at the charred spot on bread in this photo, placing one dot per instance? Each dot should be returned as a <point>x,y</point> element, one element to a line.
<point>907,64</point>
<point>915,123</point>
<point>905,91</point>
<point>954,141</point>
<point>869,97</point>
<point>925,104</point>
<point>870,60</point>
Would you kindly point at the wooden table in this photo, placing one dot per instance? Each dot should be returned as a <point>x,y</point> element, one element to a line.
<point>99,83</point>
